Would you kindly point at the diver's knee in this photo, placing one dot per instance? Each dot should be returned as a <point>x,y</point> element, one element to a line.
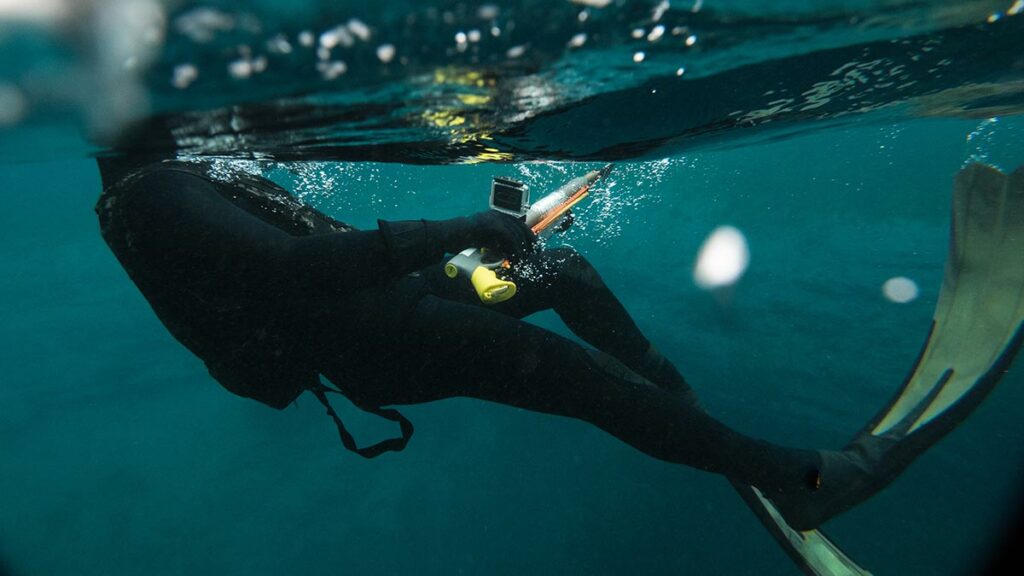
<point>573,265</point>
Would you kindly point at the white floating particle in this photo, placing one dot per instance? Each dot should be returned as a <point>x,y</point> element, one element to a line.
<point>900,290</point>
<point>323,53</point>
<point>638,57</point>
<point>578,40</point>
<point>593,3</point>
<point>516,51</point>
<point>240,69</point>
<point>259,64</point>
<point>680,71</point>
<point>306,38</point>
<point>1017,8</point>
<point>722,259</point>
<point>335,36</point>
<point>656,33</point>
<point>660,10</point>
<point>331,70</point>
<point>184,75</point>
<point>386,52</point>
<point>691,39</point>
<point>359,28</point>
<point>495,31</point>
<point>460,37</point>
<point>994,17</point>
<point>339,35</point>
<point>583,15</point>
<point>474,35</point>
<point>638,33</point>
<point>328,39</point>
<point>279,45</point>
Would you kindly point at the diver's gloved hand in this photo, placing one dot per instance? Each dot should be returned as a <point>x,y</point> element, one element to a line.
<point>415,243</point>
<point>504,233</point>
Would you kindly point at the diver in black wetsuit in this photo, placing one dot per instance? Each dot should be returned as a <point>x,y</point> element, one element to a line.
<point>272,294</point>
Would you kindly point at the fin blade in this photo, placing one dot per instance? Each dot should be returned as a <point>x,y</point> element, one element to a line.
<point>981,305</point>
<point>812,550</point>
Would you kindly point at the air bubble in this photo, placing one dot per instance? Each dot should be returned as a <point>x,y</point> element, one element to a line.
<point>900,290</point>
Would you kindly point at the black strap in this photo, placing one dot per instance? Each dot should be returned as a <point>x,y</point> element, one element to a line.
<point>389,445</point>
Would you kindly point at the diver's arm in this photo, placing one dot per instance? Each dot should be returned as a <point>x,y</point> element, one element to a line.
<point>190,231</point>
<point>426,241</point>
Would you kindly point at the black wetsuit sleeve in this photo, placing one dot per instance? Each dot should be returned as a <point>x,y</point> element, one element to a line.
<point>182,224</point>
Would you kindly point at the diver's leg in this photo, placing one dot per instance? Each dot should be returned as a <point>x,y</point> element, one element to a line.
<point>561,279</point>
<point>446,349</point>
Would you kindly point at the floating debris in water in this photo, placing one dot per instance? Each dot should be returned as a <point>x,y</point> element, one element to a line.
<point>246,65</point>
<point>722,259</point>
<point>578,40</point>
<point>656,33</point>
<point>359,28</point>
<point>638,57</point>
<point>240,69</point>
<point>331,70</point>
<point>660,10</point>
<point>592,3</point>
<point>184,76</point>
<point>339,35</point>
<point>279,45</point>
<point>680,71</point>
<point>386,52</point>
<point>900,290</point>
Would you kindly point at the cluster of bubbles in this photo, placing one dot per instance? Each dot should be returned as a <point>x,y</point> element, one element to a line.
<point>344,187</point>
<point>980,141</point>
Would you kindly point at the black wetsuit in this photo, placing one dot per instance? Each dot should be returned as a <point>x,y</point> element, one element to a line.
<point>271,294</point>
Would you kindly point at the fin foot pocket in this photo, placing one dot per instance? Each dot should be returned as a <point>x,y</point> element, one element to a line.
<point>844,479</point>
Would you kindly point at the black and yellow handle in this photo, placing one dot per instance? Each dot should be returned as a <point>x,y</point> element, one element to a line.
<point>473,263</point>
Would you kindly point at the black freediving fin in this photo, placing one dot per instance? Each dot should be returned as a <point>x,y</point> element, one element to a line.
<point>977,328</point>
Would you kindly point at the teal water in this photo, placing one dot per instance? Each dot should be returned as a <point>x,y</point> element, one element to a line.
<point>120,455</point>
